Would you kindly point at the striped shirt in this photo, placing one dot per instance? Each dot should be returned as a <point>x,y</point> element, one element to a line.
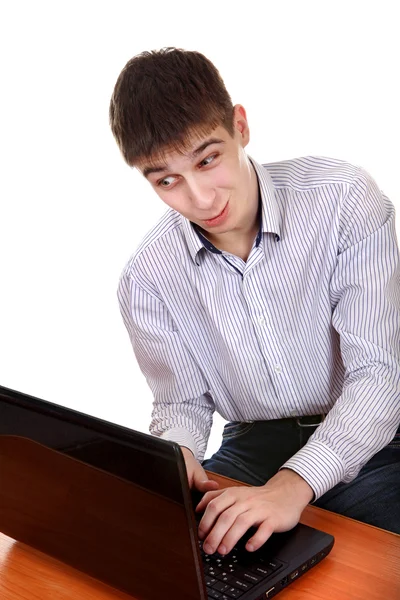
<point>309,324</point>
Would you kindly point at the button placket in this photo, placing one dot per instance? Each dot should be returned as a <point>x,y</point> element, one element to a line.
<point>264,332</point>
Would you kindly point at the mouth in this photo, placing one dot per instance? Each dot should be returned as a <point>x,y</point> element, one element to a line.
<point>219,218</point>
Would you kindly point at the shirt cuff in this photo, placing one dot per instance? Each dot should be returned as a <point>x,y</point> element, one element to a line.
<point>182,437</point>
<point>319,466</point>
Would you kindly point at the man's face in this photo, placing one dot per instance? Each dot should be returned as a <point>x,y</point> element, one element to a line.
<point>212,182</point>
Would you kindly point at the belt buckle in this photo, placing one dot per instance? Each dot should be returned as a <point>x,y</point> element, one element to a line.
<point>310,421</point>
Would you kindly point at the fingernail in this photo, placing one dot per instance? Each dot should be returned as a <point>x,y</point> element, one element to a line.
<point>207,549</point>
<point>222,549</point>
<point>250,547</point>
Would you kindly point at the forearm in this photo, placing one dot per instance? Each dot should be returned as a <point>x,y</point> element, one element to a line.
<point>186,423</point>
<point>363,420</point>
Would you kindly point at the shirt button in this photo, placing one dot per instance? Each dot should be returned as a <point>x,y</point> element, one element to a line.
<point>278,369</point>
<point>261,320</point>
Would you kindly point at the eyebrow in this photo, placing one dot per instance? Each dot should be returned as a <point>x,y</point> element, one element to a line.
<point>161,168</point>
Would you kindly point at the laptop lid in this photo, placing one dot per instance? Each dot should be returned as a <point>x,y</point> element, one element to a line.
<point>108,500</point>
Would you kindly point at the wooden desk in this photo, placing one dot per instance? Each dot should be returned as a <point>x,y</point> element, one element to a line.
<point>364,563</point>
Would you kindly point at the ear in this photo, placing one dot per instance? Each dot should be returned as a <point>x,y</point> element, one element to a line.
<point>240,124</point>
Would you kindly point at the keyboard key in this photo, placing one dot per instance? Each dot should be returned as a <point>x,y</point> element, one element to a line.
<point>241,585</point>
<point>210,581</point>
<point>270,563</point>
<point>261,570</point>
<point>251,577</point>
<point>228,579</point>
<point>220,586</point>
<point>211,593</point>
<point>212,571</point>
<point>228,566</point>
<point>234,592</point>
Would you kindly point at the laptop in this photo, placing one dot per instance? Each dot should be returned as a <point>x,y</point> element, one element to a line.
<point>115,503</point>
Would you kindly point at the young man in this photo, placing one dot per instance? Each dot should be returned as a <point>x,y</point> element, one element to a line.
<point>268,293</point>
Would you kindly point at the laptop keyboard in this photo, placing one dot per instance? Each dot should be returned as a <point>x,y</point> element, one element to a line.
<point>232,575</point>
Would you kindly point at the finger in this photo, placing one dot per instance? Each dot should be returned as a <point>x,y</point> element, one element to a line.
<point>216,521</point>
<point>263,533</point>
<point>238,527</point>
<point>210,495</point>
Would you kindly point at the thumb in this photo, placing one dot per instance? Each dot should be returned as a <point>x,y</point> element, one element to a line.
<point>201,481</point>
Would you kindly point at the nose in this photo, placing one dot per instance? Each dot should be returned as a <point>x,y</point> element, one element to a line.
<point>201,195</point>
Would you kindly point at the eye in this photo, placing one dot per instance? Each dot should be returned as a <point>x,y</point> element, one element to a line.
<point>166,182</point>
<point>208,160</point>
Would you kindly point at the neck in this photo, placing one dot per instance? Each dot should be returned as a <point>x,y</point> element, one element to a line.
<point>240,247</point>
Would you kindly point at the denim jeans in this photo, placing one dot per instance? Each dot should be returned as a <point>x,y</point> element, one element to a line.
<point>253,452</point>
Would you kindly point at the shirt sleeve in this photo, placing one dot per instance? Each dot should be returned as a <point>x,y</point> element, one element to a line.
<point>365,292</point>
<point>182,407</point>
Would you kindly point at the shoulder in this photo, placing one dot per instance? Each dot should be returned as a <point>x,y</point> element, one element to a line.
<point>309,172</point>
<point>155,245</point>
<point>335,190</point>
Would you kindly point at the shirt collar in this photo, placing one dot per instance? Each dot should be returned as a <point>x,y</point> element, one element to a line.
<point>270,217</point>
<point>192,239</point>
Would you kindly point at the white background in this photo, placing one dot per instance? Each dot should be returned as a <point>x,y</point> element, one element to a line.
<point>315,77</point>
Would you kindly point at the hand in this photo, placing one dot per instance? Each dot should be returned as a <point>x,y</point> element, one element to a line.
<point>229,513</point>
<point>197,476</point>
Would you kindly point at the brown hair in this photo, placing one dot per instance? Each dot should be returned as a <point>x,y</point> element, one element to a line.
<point>162,98</point>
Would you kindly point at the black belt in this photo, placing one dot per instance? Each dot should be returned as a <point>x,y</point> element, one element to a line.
<point>310,421</point>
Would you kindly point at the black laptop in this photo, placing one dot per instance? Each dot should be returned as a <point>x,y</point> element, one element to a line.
<point>139,532</point>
